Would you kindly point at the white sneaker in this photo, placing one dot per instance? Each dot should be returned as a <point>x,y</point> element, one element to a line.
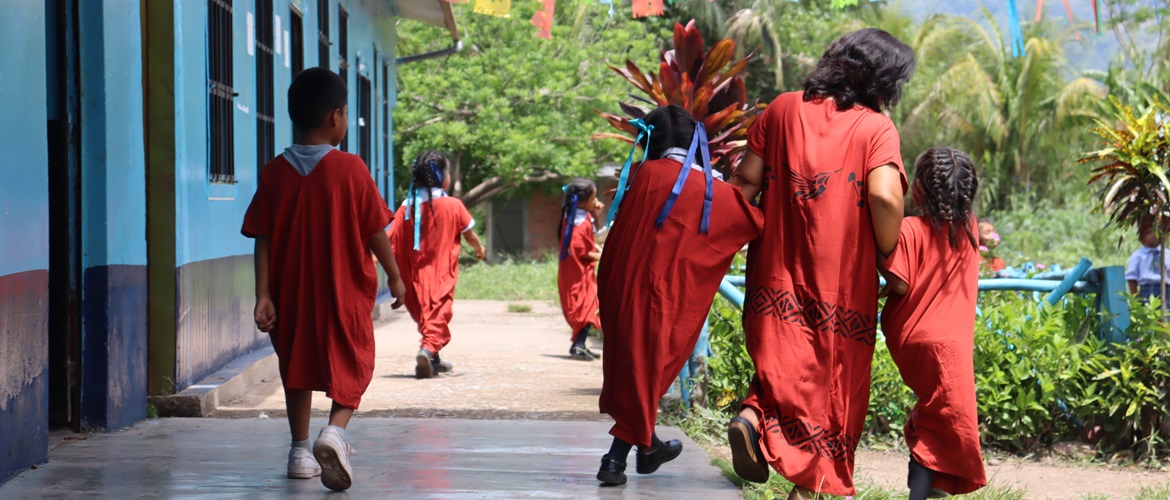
<point>332,453</point>
<point>301,464</point>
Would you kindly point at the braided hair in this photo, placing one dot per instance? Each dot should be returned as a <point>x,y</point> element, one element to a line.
<point>576,192</point>
<point>944,187</point>
<point>427,172</point>
<point>673,128</point>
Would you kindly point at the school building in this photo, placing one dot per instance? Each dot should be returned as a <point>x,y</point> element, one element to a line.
<point>133,133</point>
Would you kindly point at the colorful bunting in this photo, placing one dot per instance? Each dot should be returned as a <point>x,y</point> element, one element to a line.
<point>1016,32</point>
<point>498,8</point>
<point>543,20</point>
<point>644,8</point>
<point>1071,21</point>
<point>1097,14</point>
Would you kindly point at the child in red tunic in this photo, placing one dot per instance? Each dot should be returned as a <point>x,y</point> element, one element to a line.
<point>576,273</point>
<point>426,238</point>
<point>676,229</point>
<point>929,324</point>
<point>316,216</point>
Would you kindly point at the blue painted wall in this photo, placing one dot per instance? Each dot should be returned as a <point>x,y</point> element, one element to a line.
<point>24,239</point>
<point>214,274</point>
<point>113,216</point>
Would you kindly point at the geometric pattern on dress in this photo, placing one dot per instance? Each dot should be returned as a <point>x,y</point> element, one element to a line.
<point>811,438</point>
<point>811,313</point>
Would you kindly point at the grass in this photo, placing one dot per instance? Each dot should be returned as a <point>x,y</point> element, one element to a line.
<point>511,280</point>
<point>519,308</point>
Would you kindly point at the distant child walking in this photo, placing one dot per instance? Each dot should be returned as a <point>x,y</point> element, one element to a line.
<point>676,227</point>
<point>316,216</point>
<point>577,271</point>
<point>1143,274</point>
<point>426,239</point>
<point>929,324</point>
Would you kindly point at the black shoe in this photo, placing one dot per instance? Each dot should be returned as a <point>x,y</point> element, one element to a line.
<point>580,354</point>
<point>650,462</point>
<point>611,473</point>
<point>439,366</point>
<point>423,367</point>
<point>746,455</point>
<point>591,353</point>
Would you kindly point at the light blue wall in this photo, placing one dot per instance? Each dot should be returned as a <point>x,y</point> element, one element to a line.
<point>24,179</point>
<point>210,215</point>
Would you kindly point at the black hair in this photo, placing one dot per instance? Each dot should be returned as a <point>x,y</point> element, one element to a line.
<point>673,128</point>
<point>947,181</point>
<point>866,67</point>
<point>314,93</point>
<point>429,169</point>
<point>576,191</point>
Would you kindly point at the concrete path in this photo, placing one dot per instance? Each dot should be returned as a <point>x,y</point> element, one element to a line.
<point>396,458</point>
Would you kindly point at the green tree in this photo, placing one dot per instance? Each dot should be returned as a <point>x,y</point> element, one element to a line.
<point>512,108</point>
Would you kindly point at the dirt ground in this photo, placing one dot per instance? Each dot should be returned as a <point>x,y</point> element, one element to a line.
<point>515,366</point>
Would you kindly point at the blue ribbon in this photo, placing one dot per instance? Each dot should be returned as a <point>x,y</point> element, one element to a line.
<point>698,145</point>
<point>1015,31</point>
<point>644,131</point>
<point>438,173</point>
<point>570,216</point>
<point>414,207</point>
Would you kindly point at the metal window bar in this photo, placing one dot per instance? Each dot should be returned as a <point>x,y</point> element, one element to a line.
<point>221,127</point>
<point>365,121</point>
<point>342,52</point>
<point>265,81</point>
<point>297,34</point>
<point>386,170</point>
<point>323,33</point>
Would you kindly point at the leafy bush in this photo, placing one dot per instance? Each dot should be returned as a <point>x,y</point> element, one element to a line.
<point>730,370</point>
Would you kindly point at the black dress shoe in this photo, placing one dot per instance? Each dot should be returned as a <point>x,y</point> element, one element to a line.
<point>611,473</point>
<point>650,462</point>
<point>746,456</point>
<point>580,354</point>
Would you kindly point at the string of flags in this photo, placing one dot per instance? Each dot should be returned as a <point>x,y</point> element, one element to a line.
<point>1016,33</point>
<point>543,19</point>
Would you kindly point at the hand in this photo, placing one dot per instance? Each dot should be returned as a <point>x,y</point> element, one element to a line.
<point>398,290</point>
<point>265,314</point>
<point>884,292</point>
<point>597,208</point>
<point>480,252</point>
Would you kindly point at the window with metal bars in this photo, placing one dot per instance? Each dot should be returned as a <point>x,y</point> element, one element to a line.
<point>221,112</point>
<point>297,34</point>
<point>343,54</point>
<point>364,119</point>
<point>386,171</point>
<point>323,33</point>
<point>265,83</point>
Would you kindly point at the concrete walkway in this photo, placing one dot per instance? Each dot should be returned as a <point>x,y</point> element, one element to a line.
<point>396,458</point>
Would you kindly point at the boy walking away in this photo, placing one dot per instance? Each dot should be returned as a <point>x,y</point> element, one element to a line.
<point>577,269</point>
<point>426,239</point>
<point>676,228</point>
<point>1143,274</point>
<point>316,216</point>
<point>929,324</point>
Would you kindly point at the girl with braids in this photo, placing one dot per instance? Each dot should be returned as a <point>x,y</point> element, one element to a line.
<point>576,273</point>
<point>426,237</point>
<point>929,324</point>
<point>676,227</point>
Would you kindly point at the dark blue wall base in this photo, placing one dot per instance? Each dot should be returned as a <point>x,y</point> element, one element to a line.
<point>215,325</point>
<point>113,381</point>
<point>24,370</point>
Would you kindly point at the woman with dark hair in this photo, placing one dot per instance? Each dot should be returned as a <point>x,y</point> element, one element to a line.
<point>827,167</point>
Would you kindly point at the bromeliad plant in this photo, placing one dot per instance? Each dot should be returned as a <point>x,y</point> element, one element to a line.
<point>707,84</point>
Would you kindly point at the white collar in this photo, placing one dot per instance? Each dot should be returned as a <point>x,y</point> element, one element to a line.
<point>426,195</point>
<point>680,155</point>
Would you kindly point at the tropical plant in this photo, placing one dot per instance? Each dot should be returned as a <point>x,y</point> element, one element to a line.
<point>1134,187</point>
<point>707,84</point>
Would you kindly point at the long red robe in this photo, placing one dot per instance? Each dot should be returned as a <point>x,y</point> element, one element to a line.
<point>321,271</point>
<point>430,273</point>
<point>657,285</point>
<point>577,280</point>
<point>810,313</point>
<point>931,335</point>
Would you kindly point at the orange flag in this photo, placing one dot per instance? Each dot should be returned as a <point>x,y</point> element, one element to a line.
<point>643,8</point>
<point>543,20</point>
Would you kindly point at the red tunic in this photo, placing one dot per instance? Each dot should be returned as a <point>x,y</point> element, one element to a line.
<point>577,280</point>
<point>430,273</point>
<point>321,271</point>
<point>810,313</point>
<point>931,335</point>
<point>657,285</point>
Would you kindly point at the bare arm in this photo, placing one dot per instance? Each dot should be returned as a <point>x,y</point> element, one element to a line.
<point>749,177</point>
<point>380,245</point>
<point>894,284</point>
<point>265,312</point>
<point>1133,288</point>
<point>886,206</point>
<point>473,240</point>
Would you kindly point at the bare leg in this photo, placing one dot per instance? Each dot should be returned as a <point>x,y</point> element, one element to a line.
<point>751,415</point>
<point>339,415</point>
<point>298,403</point>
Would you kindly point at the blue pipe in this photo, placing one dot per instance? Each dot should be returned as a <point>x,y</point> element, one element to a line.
<point>1069,281</point>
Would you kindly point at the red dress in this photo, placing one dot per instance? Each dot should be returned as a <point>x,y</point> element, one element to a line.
<point>430,273</point>
<point>810,312</point>
<point>657,285</point>
<point>931,335</point>
<point>321,271</point>
<point>577,280</point>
